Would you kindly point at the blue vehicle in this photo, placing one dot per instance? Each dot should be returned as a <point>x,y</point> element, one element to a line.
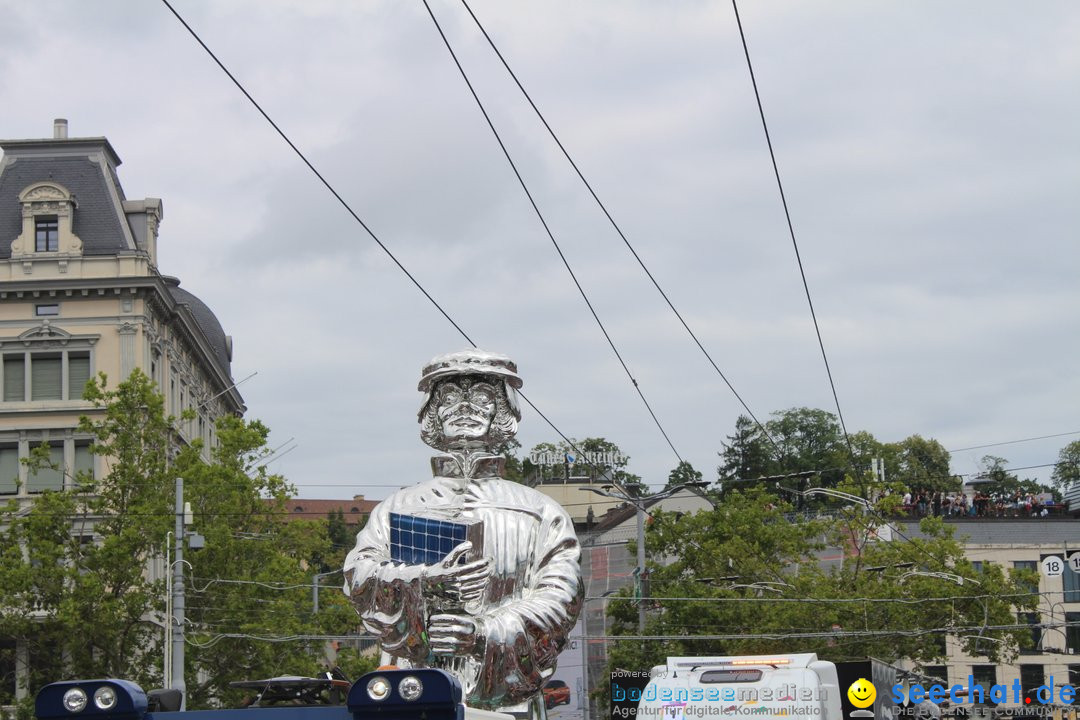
<point>380,695</point>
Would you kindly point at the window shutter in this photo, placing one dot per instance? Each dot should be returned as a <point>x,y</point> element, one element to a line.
<point>45,378</point>
<point>49,478</point>
<point>78,374</point>
<point>14,378</point>
<point>9,470</point>
<point>84,461</point>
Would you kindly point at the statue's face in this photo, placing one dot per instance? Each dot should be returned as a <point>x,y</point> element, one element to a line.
<point>466,407</point>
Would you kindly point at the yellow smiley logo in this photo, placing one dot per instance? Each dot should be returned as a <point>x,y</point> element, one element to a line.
<point>862,693</point>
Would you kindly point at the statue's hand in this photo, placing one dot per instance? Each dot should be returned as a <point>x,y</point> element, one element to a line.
<point>453,634</point>
<point>457,582</point>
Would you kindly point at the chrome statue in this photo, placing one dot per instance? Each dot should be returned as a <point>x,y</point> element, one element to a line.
<point>469,572</point>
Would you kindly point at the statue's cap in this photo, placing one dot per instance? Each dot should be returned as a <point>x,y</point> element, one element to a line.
<point>469,362</point>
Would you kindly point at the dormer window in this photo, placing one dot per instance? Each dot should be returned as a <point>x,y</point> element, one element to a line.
<point>48,214</point>
<point>46,234</point>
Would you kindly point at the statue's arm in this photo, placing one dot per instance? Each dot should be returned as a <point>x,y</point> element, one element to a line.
<point>388,596</point>
<point>521,640</point>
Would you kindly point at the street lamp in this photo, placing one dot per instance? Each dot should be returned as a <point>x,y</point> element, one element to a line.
<point>776,587</point>
<point>639,503</point>
<point>951,577</point>
<point>980,638</point>
<point>882,568</point>
<point>839,495</point>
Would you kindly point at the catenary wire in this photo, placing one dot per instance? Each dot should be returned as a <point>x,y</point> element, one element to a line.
<point>851,600</point>
<point>348,208</point>
<point>615,225</point>
<point>791,230</point>
<point>547,229</point>
<point>413,279</point>
<point>1014,442</point>
<point>821,634</point>
<point>827,634</point>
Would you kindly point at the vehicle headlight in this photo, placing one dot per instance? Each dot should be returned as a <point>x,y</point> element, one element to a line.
<point>105,698</point>
<point>410,688</point>
<point>75,700</point>
<point>378,688</point>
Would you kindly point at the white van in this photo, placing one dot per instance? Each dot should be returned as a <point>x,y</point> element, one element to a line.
<point>744,687</point>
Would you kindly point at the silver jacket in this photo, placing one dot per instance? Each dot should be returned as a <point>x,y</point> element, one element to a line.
<point>529,606</point>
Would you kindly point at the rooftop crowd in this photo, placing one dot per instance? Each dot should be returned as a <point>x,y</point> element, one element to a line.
<point>921,503</point>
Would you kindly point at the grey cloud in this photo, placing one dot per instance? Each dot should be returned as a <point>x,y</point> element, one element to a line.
<point>930,169</point>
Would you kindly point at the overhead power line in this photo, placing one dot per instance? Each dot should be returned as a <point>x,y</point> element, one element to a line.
<point>319,175</point>
<point>547,229</point>
<point>841,601</point>
<point>216,638</point>
<point>615,225</point>
<point>826,633</point>
<point>791,229</point>
<point>347,207</point>
<point>1014,442</point>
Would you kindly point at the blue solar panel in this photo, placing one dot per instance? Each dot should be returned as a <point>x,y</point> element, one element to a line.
<point>416,540</point>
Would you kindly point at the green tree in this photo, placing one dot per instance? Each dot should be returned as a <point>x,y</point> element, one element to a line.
<point>810,439</point>
<point>920,463</point>
<point>810,450</point>
<point>341,537</point>
<point>251,583</point>
<point>1000,484</point>
<point>514,470</point>
<point>723,582</point>
<point>746,456</point>
<point>77,584</point>
<point>35,548</point>
<point>803,446</point>
<point>1067,470</point>
<point>105,596</point>
<point>683,474</point>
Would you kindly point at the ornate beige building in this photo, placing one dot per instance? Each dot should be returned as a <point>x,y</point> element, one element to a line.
<point>81,293</point>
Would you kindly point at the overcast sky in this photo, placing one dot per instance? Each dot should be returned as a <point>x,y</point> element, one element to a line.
<point>929,152</point>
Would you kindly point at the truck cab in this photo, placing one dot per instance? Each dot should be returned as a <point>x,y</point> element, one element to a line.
<point>756,687</point>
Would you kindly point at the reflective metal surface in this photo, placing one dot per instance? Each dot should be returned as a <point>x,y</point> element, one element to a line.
<point>497,615</point>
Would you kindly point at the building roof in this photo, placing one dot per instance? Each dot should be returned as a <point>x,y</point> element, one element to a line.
<point>98,215</point>
<point>354,510</point>
<point>206,320</point>
<point>1009,531</point>
<point>617,516</point>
